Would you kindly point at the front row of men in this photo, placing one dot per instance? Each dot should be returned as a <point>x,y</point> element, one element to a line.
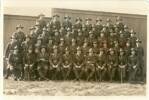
<point>37,64</point>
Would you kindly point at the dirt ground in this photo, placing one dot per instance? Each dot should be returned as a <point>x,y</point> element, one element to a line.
<point>72,88</point>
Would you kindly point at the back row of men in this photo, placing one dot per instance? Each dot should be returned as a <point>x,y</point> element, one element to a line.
<point>52,50</point>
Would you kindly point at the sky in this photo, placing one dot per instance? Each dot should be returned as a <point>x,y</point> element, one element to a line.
<point>34,7</point>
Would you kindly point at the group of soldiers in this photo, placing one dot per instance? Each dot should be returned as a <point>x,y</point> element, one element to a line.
<point>55,50</point>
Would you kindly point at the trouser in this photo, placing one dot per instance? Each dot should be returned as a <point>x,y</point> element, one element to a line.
<point>122,74</point>
<point>111,72</point>
<point>29,73</point>
<point>78,73</point>
<point>16,71</point>
<point>100,74</point>
<point>66,73</point>
<point>56,73</point>
<point>43,71</point>
<point>132,74</point>
<point>89,71</point>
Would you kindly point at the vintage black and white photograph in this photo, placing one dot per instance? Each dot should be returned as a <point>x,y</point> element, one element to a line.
<point>75,48</point>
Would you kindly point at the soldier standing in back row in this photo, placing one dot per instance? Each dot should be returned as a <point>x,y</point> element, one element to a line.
<point>140,56</point>
<point>67,23</point>
<point>41,21</point>
<point>19,35</point>
<point>55,24</point>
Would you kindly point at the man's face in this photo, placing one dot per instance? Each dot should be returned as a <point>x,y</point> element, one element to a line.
<point>19,29</point>
<point>36,50</point>
<point>121,53</point>
<point>133,52</point>
<point>132,35</point>
<point>30,51</point>
<point>50,41</point>
<point>27,39</point>
<point>128,44</point>
<point>112,52</point>
<point>95,44</point>
<point>101,52</point>
<point>43,50</point>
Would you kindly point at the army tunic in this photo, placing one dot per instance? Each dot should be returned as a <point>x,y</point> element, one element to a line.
<point>9,48</point>
<point>20,36</point>
<point>42,23</point>
<point>16,65</point>
<point>66,65</point>
<point>112,66</point>
<point>133,67</point>
<point>29,62</point>
<point>67,24</point>
<point>101,64</point>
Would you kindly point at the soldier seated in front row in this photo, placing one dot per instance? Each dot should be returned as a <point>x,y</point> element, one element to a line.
<point>55,62</point>
<point>66,64</point>
<point>78,64</point>
<point>43,64</point>
<point>101,64</point>
<point>29,62</point>
<point>90,65</point>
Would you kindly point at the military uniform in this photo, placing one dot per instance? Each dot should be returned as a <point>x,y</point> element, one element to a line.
<point>78,64</point>
<point>101,64</point>
<point>66,64</point>
<point>122,65</point>
<point>88,25</point>
<point>41,21</point>
<point>90,65</point>
<point>98,25</point>
<point>133,39</point>
<point>9,50</point>
<point>79,38</point>
<point>140,56</point>
<point>29,62</point>
<point>19,35</point>
<point>43,64</point>
<point>133,65</point>
<point>78,24</point>
<point>55,62</point>
<point>67,23</point>
<point>112,64</point>
<point>55,22</point>
<point>119,23</point>
<point>15,61</point>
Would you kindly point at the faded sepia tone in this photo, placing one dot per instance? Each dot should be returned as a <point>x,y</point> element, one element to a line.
<point>80,50</point>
